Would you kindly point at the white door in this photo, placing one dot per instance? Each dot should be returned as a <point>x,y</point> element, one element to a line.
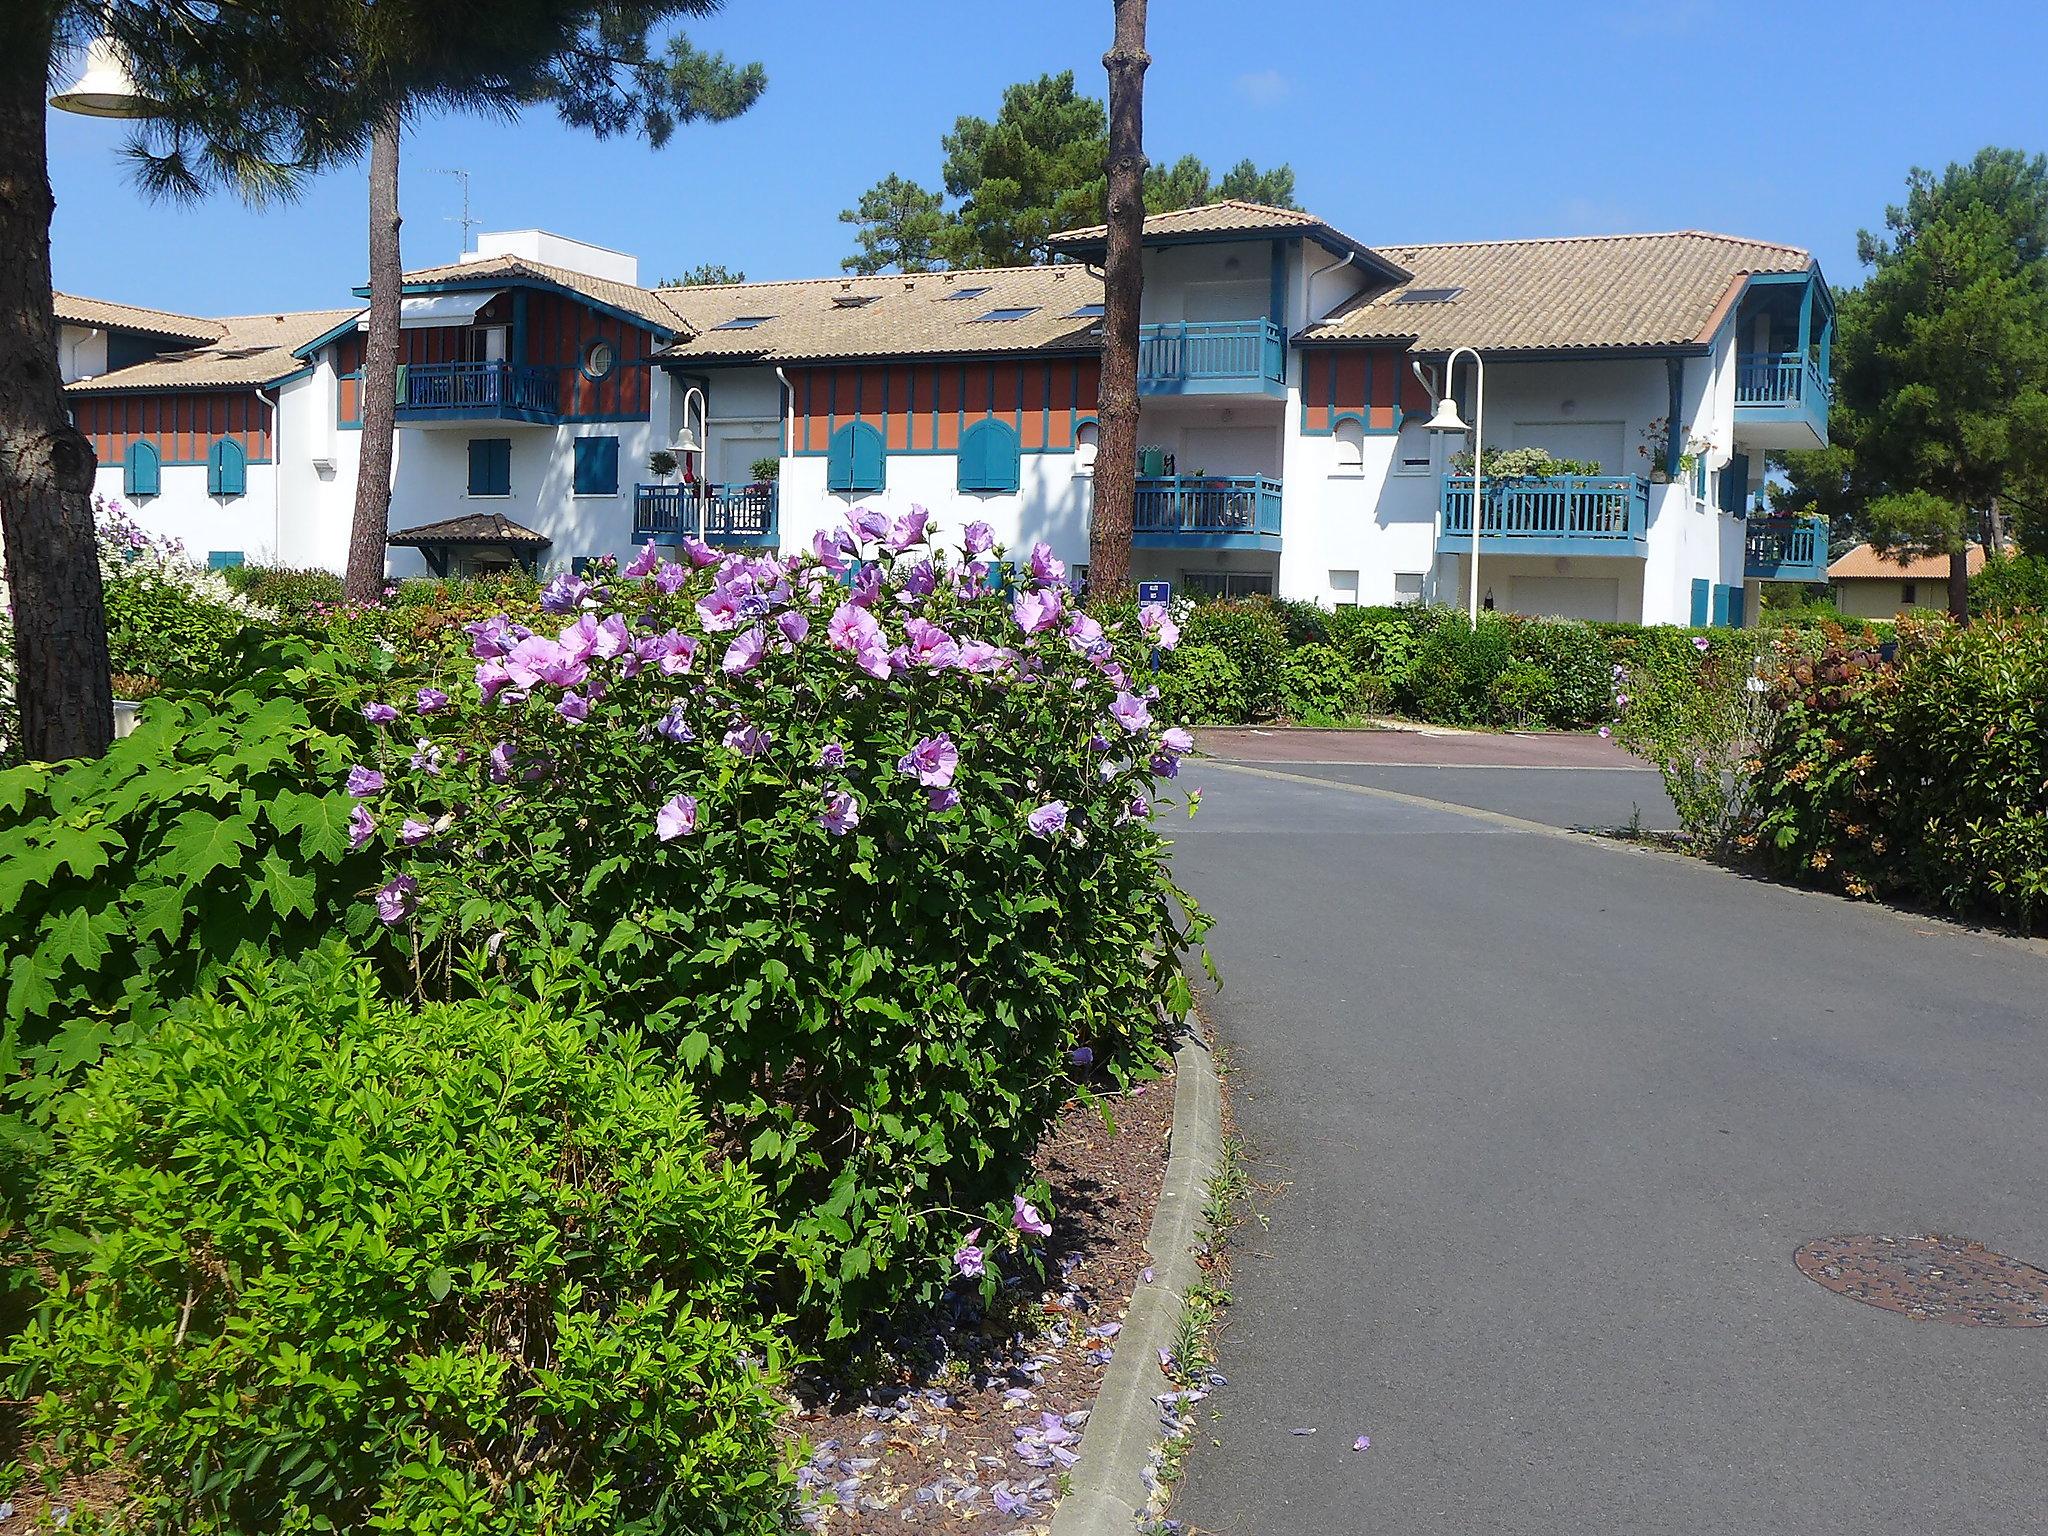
<point>1598,442</point>
<point>734,461</point>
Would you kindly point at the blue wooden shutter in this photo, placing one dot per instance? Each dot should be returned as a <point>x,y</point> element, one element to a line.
<point>973,454</point>
<point>1735,608</point>
<point>853,459</point>
<point>142,475</point>
<point>597,466</point>
<point>223,559</point>
<point>490,466</point>
<point>1735,485</point>
<point>227,468</point>
<point>1700,588</point>
<point>1720,606</point>
<point>989,457</point>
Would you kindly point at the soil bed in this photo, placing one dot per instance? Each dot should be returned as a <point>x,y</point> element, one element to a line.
<point>974,1417</point>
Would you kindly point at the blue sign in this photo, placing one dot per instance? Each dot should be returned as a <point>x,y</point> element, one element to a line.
<point>1155,591</point>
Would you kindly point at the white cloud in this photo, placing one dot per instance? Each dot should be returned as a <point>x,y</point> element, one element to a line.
<point>1263,87</point>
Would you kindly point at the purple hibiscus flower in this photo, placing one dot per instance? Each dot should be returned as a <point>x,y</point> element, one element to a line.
<point>942,799</point>
<point>748,740</point>
<point>426,758</point>
<point>745,653</point>
<point>412,832</point>
<point>930,646</point>
<point>794,626</point>
<point>564,594</point>
<point>361,826</point>
<point>1049,820</point>
<point>574,708</point>
<point>501,763</point>
<point>379,714</point>
<point>1027,1219</point>
<point>1177,741</point>
<point>394,898</point>
<point>833,549</point>
<point>1036,612</point>
<point>977,539</point>
<point>675,726</point>
<point>676,818</point>
<point>364,782</point>
<point>932,761</point>
<point>1131,712</point>
<point>907,531</point>
<point>644,562</point>
<point>841,813</point>
<point>832,755</point>
<point>430,701</point>
<point>1044,565</point>
<point>968,1258</point>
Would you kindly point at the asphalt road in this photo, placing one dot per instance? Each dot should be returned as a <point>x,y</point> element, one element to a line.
<point>1540,1122</point>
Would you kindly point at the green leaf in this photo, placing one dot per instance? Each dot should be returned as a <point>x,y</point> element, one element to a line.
<point>73,936</point>
<point>439,1283</point>
<point>288,890</point>
<point>320,820</point>
<point>201,842</point>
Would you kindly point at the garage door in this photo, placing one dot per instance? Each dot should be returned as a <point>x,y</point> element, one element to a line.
<point>1564,597</point>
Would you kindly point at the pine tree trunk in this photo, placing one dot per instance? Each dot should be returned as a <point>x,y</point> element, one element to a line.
<point>1123,276</point>
<point>1994,530</point>
<point>372,524</point>
<point>1959,584</point>
<point>46,464</point>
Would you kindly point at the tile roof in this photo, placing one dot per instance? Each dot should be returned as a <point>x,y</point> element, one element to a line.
<point>1232,216</point>
<point>251,350</point>
<point>105,314</point>
<point>1582,292</point>
<point>472,528</point>
<point>1863,563</point>
<point>907,315</point>
<point>643,303</point>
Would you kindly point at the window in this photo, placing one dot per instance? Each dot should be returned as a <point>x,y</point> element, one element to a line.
<point>223,559</point>
<point>490,466</point>
<point>1086,312</point>
<point>598,359</point>
<point>1006,314</point>
<point>140,473</point>
<point>1407,586</point>
<point>1412,447</point>
<point>1199,584</point>
<point>486,344</point>
<point>1087,443</point>
<point>1344,589</point>
<point>854,458</point>
<point>597,466</point>
<point>853,300</point>
<point>965,293</point>
<point>988,456</point>
<point>742,322</point>
<point>1909,593</point>
<point>1350,441</point>
<point>227,468</point>
<point>1428,296</point>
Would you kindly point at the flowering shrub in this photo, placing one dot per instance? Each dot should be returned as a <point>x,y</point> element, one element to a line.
<point>867,844</point>
<point>1926,777</point>
<point>167,617</point>
<point>353,1266</point>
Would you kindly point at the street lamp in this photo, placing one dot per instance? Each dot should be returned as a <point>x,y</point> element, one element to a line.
<point>104,89</point>
<point>1447,420</point>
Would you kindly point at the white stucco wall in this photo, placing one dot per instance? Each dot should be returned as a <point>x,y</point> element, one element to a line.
<point>203,523</point>
<point>1051,502</point>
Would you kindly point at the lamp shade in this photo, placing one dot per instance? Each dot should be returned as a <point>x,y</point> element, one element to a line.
<point>1447,418</point>
<point>686,442</point>
<point>104,89</point>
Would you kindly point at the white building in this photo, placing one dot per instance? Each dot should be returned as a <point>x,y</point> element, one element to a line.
<point>1285,373</point>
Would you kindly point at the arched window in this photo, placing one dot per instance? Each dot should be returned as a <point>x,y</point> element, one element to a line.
<point>988,456</point>
<point>1087,441</point>
<point>227,468</point>
<point>1412,447</point>
<point>141,473</point>
<point>1350,440</point>
<point>854,458</point>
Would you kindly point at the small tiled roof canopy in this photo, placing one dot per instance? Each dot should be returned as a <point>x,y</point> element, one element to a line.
<point>644,304</point>
<point>1600,292</point>
<point>477,529</point>
<point>1212,221</point>
<point>1863,563</point>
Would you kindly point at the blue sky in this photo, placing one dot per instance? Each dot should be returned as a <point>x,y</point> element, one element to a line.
<point>1786,121</point>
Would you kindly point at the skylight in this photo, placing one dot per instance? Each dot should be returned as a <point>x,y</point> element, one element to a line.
<point>966,293</point>
<point>853,300</point>
<point>1086,312</point>
<point>1428,296</point>
<point>742,322</point>
<point>1006,314</point>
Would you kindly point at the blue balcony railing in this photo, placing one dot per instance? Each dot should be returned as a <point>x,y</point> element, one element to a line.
<point>1786,549</point>
<point>502,391</point>
<point>1199,356</point>
<point>1208,511</point>
<point>719,515</point>
<point>1551,515</point>
<point>1780,378</point>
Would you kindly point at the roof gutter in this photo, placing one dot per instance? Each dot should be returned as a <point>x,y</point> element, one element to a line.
<point>788,410</point>
<point>1309,293</point>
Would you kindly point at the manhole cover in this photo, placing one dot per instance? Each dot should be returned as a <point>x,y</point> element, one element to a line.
<point>1949,1279</point>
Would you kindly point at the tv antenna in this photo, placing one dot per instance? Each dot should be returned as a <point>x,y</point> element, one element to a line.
<point>463,218</point>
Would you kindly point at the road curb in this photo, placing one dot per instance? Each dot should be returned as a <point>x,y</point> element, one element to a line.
<point>1108,1493</point>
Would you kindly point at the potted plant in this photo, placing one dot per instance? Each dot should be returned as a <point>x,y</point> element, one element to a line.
<point>661,463</point>
<point>764,471</point>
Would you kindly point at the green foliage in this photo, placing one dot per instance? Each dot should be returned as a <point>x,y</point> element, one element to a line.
<point>1202,685</point>
<point>1451,680</point>
<point>881,1015</point>
<point>765,469</point>
<point>1249,631</point>
<point>2010,584</point>
<point>1700,723</point>
<point>291,591</point>
<point>1941,364</point>
<point>127,880</point>
<point>1927,777</point>
<point>321,1262</point>
<point>1575,658</point>
<point>1523,695</point>
<point>706,274</point>
<point>1187,183</point>
<point>898,225</point>
<point>159,628</point>
<point>1318,683</point>
<point>1524,464</point>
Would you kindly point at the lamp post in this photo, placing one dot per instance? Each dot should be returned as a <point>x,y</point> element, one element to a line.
<point>1447,420</point>
<point>698,442</point>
